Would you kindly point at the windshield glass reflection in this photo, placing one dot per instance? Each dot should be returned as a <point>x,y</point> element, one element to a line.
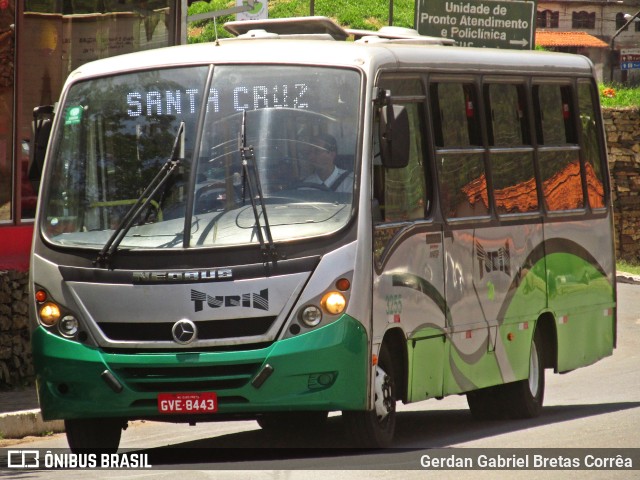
<point>117,132</point>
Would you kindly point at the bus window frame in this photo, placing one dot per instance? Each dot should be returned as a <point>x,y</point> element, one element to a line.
<point>480,81</point>
<point>571,83</point>
<point>602,147</point>
<point>476,82</point>
<point>523,82</point>
<point>430,198</point>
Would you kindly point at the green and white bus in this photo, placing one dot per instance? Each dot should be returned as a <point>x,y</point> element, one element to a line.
<point>286,224</point>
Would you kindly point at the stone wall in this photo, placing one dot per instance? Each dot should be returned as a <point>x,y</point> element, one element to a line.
<point>623,137</point>
<point>16,368</point>
<point>623,141</point>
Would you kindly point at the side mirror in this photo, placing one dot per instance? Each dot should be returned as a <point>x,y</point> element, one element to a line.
<point>40,132</point>
<point>394,136</point>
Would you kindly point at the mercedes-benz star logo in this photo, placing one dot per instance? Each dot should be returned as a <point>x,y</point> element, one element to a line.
<point>184,331</point>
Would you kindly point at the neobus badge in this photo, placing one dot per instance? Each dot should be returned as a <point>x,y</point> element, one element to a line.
<point>219,274</point>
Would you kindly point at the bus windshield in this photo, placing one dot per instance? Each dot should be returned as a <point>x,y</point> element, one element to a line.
<point>295,126</point>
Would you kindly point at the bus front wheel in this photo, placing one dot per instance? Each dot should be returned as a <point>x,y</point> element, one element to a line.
<point>375,428</point>
<point>94,434</point>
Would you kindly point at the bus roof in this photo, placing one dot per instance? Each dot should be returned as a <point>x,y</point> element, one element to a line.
<point>387,49</point>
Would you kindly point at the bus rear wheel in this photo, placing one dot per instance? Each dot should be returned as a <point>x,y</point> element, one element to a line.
<point>521,399</point>
<point>524,398</point>
<point>376,428</point>
<point>94,434</point>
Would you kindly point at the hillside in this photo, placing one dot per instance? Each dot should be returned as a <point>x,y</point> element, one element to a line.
<point>361,14</point>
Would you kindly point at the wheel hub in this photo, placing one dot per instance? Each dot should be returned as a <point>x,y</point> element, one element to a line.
<point>384,402</point>
<point>534,371</point>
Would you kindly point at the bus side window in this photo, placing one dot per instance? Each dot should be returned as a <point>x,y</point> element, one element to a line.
<point>456,124</point>
<point>454,107</point>
<point>554,121</point>
<point>591,145</point>
<point>401,193</point>
<point>559,159</point>
<point>513,173</point>
<point>506,115</point>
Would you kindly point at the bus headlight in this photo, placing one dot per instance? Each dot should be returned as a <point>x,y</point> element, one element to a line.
<point>334,303</point>
<point>49,314</point>
<point>311,315</point>
<point>324,307</point>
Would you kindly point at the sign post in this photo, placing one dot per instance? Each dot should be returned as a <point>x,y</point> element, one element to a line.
<point>475,23</point>
<point>629,58</point>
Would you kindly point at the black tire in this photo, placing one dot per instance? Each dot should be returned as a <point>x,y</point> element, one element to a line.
<point>282,423</point>
<point>94,435</point>
<point>525,398</point>
<point>487,403</point>
<point>376,428</point>
<point>521,399</point>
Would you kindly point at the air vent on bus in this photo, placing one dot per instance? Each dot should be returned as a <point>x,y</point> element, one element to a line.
<point>207,330</point>
<point>187,378</point>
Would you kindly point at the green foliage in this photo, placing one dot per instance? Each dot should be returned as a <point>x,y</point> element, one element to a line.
<point>348,13</point>
<point>205,30</point>
<point>197,8</point>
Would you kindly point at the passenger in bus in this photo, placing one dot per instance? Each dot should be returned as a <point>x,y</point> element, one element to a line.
<point>323,158</point>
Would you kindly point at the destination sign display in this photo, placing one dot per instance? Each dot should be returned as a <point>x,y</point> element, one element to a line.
<point>473,23</point>
<point>241,97</point>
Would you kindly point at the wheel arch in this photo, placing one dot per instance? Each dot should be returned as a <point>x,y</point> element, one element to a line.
<point>394,340</point>
<point>546,327</point>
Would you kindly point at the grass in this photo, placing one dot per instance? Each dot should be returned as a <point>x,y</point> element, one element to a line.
<point>360,14</point>
<point>617,95</point>
<point>627,267</point>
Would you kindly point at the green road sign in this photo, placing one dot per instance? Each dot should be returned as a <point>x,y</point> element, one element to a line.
<point>475,23</point>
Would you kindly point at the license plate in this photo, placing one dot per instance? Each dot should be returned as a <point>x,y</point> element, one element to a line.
<point>199,402</point>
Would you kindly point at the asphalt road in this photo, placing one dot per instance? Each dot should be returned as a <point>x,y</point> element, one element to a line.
<point>590,408</point>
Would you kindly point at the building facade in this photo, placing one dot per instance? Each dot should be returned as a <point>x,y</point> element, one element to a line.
<point>601,19</point>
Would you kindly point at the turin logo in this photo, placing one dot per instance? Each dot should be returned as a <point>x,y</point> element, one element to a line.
<point>493,260</point>
<point>259,301</point>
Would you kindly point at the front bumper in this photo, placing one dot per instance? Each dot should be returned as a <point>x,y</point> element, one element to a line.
<point>325,369</point>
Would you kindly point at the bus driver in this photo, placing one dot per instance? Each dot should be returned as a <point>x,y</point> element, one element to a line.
<point>323,156</point>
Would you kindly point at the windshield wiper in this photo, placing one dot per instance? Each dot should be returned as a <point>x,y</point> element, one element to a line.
<point>251,180</point>
<point>142,202</point>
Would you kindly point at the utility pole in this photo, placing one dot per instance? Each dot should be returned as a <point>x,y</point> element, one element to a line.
<point>618,32</point>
